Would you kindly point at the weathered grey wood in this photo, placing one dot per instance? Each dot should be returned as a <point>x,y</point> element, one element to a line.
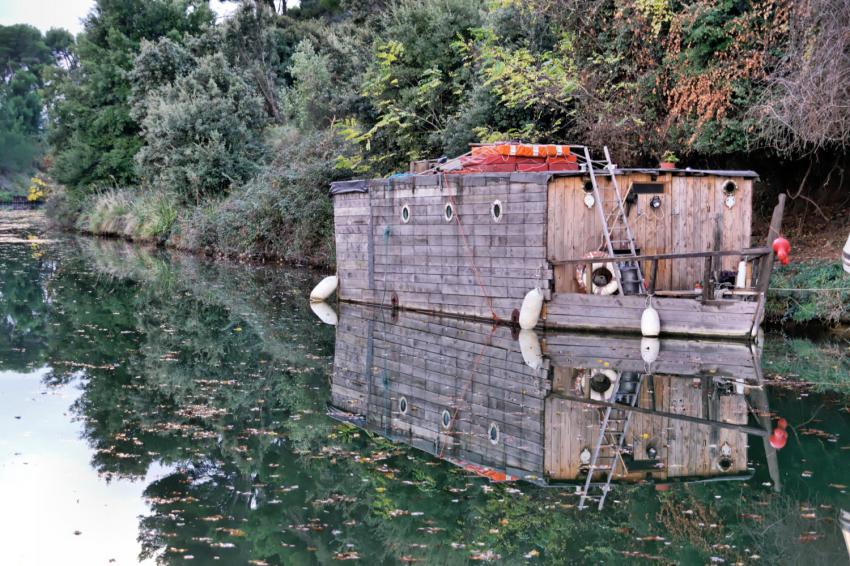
<point>572,311</point>
<point>746,252</point>
<point>755,431</point>
<point>767,263</point>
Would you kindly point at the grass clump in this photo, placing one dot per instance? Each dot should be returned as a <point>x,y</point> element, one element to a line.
<point>810,291</point>
<point>143,216</point>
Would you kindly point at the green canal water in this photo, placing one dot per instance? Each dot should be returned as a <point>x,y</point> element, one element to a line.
<point>163,409</point>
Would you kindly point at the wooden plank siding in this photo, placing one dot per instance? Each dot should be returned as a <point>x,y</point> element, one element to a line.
<point>472,369</point>
<point>475,266</point>
<point>471,266</point>
<point>691,207</point>
<point>685,449</point>
<point>684,317</point>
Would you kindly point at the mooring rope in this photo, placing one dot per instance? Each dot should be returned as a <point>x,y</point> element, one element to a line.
<point>475,364</point>
<point>777,289</point>
<point>474,266</point>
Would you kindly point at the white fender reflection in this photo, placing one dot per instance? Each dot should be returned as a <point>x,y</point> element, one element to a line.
<point>529,345</point>
<point>325,312</point>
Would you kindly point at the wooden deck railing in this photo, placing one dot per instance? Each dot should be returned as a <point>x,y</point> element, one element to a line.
<point>712,260</point>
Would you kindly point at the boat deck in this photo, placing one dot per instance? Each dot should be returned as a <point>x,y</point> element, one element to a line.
<point>679,316</point>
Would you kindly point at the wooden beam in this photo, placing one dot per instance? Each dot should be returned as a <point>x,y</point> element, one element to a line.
<point>654,277</point>
<point>755,431</point>
<point>750,252</point>
<point>767,263</point>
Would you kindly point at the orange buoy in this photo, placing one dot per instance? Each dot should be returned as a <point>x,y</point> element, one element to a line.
<point>782,249</point>
<point>779,436</point>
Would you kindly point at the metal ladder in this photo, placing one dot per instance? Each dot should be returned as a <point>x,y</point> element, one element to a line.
<point>616,438</point>
<point>615,225</point>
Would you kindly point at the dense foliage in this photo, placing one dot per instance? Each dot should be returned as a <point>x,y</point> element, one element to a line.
<point>28,63</point>
<point>254,115</point>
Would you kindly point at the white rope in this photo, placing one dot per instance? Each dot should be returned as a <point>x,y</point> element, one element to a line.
<point>811,289</point>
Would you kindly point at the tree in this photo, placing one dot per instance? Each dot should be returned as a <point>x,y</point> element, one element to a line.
<point>94,136</point>
<point>23,59</point>
<point>202,132</point>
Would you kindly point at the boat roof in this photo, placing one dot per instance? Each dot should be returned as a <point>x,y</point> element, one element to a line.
<point>434,178</point>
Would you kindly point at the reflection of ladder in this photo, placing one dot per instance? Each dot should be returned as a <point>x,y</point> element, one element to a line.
<point>612,437</point>
<point>615,225</point>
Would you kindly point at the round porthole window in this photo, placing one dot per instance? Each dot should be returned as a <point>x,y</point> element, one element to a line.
<point>405,214</point>
<point>729,190</point>
<point>449,212</point>
<point>496,210</point>
<point>493,433</point>
<point>445,419</point>
<point>402,406</point>
<point>588,186</point>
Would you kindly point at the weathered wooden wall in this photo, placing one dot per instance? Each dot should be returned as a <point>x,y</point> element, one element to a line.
<point>472,265</point>
<point>691,207</point>
<point>471,369</point>
<point>683,317</point>
<point>734,360</point>
<point>685,449</point>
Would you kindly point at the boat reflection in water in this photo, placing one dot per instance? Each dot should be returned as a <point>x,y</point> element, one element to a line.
<point>580,410</point>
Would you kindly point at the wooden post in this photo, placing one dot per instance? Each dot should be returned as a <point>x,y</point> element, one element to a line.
<point>761,411</point>
<point>766,266</point>
<point>706,280</point>
<point>654,277</point>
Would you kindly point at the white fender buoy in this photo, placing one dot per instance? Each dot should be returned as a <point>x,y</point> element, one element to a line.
<point>325,312</point>
<point>649,348</point>
<point>324,289</point>
<point>650,323</point>
<point>845,256</point>
<point>741,278</point>
<point>529,313</point>
<point>529,345</point>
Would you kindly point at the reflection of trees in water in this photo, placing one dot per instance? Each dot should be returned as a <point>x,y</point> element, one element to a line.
<point>218,372</point>
<point>23,306</point>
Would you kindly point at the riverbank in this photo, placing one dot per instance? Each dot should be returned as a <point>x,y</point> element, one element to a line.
<point>245,226</point>
<point>814,291</point>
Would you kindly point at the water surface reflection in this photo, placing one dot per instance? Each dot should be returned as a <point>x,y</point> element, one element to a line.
<point>218,378</point>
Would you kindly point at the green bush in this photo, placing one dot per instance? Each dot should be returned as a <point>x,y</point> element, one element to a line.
<point>810,291</point>
<point>137,215</point>
<point>203,133</point>
<point>284,212</point>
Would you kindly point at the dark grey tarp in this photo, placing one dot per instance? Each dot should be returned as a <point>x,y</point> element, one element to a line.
<point>356,186</point>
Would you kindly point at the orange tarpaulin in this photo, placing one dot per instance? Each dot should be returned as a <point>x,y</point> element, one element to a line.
<point>523,150</point>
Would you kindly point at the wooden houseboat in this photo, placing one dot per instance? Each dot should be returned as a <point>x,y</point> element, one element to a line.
<point>582,410</point>
<point>474,235</point>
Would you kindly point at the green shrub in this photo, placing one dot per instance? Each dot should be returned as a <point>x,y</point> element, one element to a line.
<point>127,213</point>
<point>810,291</point>
<point>284,212</point>
<point>61,208</point>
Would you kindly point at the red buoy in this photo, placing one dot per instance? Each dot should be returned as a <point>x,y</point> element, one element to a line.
<point>782,249</point>
<point>778,438</point>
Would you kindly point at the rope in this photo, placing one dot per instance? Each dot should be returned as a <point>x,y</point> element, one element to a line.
<point>475,269</point>
<point>475,364</point>
<point>779,289</point>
